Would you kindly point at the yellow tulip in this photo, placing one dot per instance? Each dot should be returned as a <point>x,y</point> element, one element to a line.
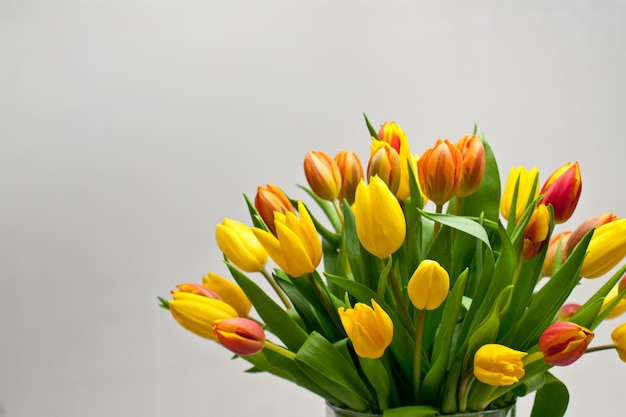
<point>229,292</point>
<point>240,246</point>
<point>296,248</point>
<point>429,285</point>
<point>606,249</point>
<point>392,134</point>
<point>380,223</point>
<point>618,335</point>
<point>536,232</point>
<point>526,193</point>
<point>369,328</point>
<point>197,313</point>
<point>586,226</point>
<point>498,365</point>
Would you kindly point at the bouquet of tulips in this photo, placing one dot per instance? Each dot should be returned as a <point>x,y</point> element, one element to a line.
<point>379,305</point>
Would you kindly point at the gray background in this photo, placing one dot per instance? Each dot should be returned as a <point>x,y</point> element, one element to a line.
<point>128,129</point>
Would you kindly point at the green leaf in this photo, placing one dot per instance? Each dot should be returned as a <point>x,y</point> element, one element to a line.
<point>332,371</point>
<point>379,379</point>
<point>464,224</point>
<point>433,380</point>
<point>551,399</point>
<point>276,319</point>
<point>371,129</point>
<point>547,301</point>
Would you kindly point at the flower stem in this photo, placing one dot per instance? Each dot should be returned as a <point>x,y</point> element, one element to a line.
<point>600,348</point>
<point>276,288</point>
<point>332,312</point>
<point>399,299</point>
<point>417,354</point>
<point>437,225</point>
<point>279,349</point>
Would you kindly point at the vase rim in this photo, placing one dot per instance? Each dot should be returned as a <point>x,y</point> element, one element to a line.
<point>496,412</point>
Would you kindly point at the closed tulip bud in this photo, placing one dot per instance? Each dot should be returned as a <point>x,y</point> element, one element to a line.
<point>392,134</point>
<point>440,170</point>
<point>369,328</point>
<point>380,223</point>
<point>229,292</point>
<point>384,162</point>
<point>562,191</point>
<point>296,248</point>
<point>351,171</point>
<point>197,313</point>
<point>498,365</point>
<point>606,249</point>
<point>618,335</point>
<point>240,246</point>
<point>566,311</point>
<point>527,191</point>
<point>563,342</point>
<point>591,223</point>
<point>620,308</point>
<point>240,335</point>
<point>198,289</point>
<point>558,243</point>
<point>474,162</point>
<point>536,232</point>
<point>323,175</point>
<point>270,199</point>
<point>429,285</point>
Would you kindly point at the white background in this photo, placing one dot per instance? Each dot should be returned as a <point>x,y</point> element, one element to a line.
<point>128,129</point>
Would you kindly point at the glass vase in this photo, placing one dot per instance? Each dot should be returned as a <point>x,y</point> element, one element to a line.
<point>509,411</point>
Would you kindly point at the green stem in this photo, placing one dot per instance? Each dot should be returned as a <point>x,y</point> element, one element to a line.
<point>417,353</point>
<point>279,349</point>
<point>277,289</point>
<point>464,388</point>
<point>332,312</point>
<point>437,225</point>
<point>600,348</point>
<point>399,299</point>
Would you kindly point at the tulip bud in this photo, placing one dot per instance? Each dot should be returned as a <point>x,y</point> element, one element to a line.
<point>392,134</point>
<point>498,365</point>
<point>474,162</point>
<point>429,285</point>
<point>527,191</point>
<point>369,328</point>
<point>323,175</point>
<point>240,335</point>
<point>296,248</point>
<point>557,242</point>
<point>619,309</point>
<point>562,191</point>
<point>380,223</point>
<point>240,246</point>
<point>384,162</point>
<point>440,170</point>
<point>566,311</point>
<point>563,342</point>
<point>229,292</point>
<point>197,313</point>
<point>606,249</point>
<point>591,223</point>
<point>199,289</point>
<point>536,232</point>
<point>618,335</point>
<point>351,171</point>
<point>271,199</point>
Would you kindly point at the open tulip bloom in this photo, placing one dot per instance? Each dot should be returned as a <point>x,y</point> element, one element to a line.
<point>385,306</point>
